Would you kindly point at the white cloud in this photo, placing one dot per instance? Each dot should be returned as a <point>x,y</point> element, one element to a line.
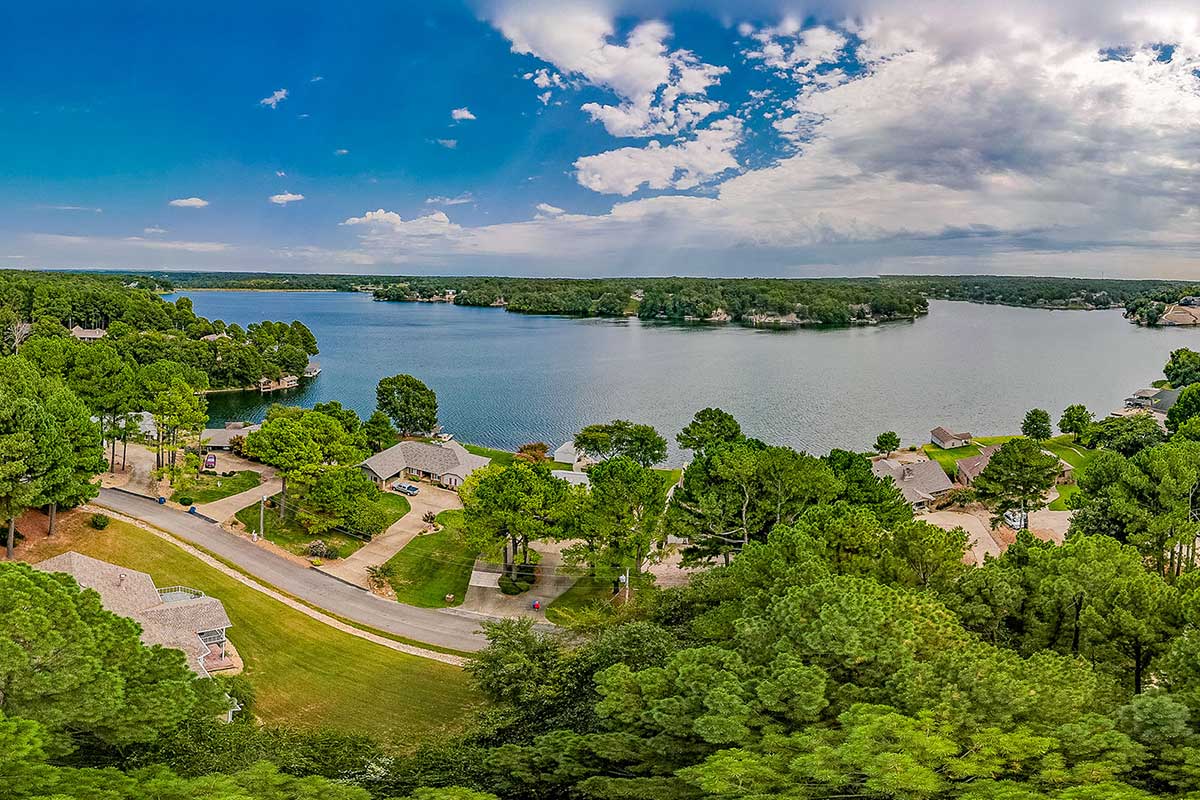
<point>449,144</point>
<point>275,98</point>
<point>458,200</point>
<point>316,78</point>
<point>188,202</point>
<point>341,151</point>
<point>280,173</point>
<point>153,230</point>
<point>285,198</point>
<point>92,209</point>
<point>547,210</point>
<point>461,114</point>
<point>677,166</point>
<point>660,91</point>
<point>128,242</point>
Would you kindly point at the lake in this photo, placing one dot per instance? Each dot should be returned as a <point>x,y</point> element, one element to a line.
<point>503,379</point>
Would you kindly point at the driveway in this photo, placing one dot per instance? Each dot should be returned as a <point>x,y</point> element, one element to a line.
<point>432,626</point>
<point>393,540</point>
<point>226,507</point>
<point>983,542</point>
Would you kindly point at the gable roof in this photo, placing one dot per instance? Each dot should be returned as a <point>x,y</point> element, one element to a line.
<point>444,458</point>
<point>941,433</point>
<point>969,468</point>
<point>918,482</point>
<point>174,623</point>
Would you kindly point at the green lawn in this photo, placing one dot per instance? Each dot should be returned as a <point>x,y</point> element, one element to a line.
<point>949,458</point>
<point>1066,448</point>
<point>587,593</point>
<point>434,565</point>
<point>304,673</point>
<point>504,458</point>
<point>1065,490</point>
<point>394,507</point>
<point>210,488</point>
<point>290,534</point>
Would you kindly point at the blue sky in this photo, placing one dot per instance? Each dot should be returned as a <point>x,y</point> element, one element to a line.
<point>583,138</point>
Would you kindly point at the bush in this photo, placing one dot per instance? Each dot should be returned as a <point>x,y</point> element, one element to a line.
<point>319,549</point>
<point>100,521</point>
<point>429,517</point>
<point>367,519</point>
<point>239,688</point>
<point>208,472</point>
<point>526,573</point>
<point>185,500</point>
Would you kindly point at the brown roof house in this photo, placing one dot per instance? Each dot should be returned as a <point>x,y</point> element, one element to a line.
<point>175,616</point>
<point>920,482</point>
<point>968,469</point>
<point>88,334</point>
<point>447,463</point>
<point>947,439</point>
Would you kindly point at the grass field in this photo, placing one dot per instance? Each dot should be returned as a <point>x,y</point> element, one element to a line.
<point>289,534</point>
<point>585,594</point>
<point>434,565</point>
<point>504,458</point>
<point>1064,491</point>
<point>210,488</point>
<point>1064,447</point>
<point>304,673</point>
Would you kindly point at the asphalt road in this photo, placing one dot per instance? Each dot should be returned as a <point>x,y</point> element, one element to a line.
<point>432,626</point>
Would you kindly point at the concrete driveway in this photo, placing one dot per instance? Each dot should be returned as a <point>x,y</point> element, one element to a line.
<point>983,542</point>
<point>393,540</point>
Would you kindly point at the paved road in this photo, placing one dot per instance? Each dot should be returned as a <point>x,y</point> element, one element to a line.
<point>431,626</point>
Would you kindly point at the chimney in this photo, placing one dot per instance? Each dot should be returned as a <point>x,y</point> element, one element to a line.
<point>908,473</point>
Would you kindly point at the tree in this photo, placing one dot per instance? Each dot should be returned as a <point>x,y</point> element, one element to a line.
<point>886,442</point>
<point>80,670</point>
<point>1125,435</point>
<point>32,444</point>
<point>284,443</point>
<point>379,432</point>
<point>177,411</point>
<point>1075,420</point>
<point>1183,368</point>
<point>620,437</point>
<point>533,452</point>
<point>510,506</point>
<point>69,480</point>
<point>409,403</point>
<point>1185,408</point>
<point>1036,425</point>
<point>620,524</point>
<point>1016,478</point>
<point>332,497</point>
<point>710,426</point>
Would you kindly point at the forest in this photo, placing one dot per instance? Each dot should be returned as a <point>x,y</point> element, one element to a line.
<point>38,309</point>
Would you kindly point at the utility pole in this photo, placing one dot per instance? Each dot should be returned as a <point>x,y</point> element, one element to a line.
<point>262,507</point>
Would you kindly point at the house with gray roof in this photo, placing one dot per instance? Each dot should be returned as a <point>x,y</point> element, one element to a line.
<point>968,469</point>
<point>88,334</point>
<point>222,438</point>
<point>948,439</point>
<point>176,616</point>
<point>1155,402</point>
<point>447,463</point>
<point>920,482</point>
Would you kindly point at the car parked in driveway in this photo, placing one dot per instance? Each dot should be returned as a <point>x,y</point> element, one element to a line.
<point>405,488</point>
<point>210,461</point>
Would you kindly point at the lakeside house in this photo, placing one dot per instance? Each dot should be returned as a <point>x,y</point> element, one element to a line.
<point>222,438</point>
<point>88,334</point>
<point>566,453</point>
<point>446,463</point>
<point>178,617</point>
<point>968,469</point>
<point>948,440</point>
<point>312,370</point>
<point>214,337</point>
<point>920,482</point>
<point>1155,402</point>
<point>572,477</point>
<point>266,385</point>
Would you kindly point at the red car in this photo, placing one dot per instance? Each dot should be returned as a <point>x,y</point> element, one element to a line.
<point>210,461</point>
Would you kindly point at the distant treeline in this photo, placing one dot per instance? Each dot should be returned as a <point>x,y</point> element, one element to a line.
<point>795,301</point>
<point>38,309</point>
<point>760,301</point>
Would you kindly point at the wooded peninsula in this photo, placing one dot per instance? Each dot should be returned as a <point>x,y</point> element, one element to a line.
<point>768,302</point>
